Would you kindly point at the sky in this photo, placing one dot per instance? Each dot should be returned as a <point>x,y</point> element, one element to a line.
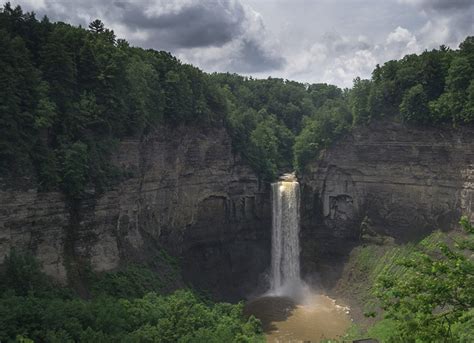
<point>331,41</point>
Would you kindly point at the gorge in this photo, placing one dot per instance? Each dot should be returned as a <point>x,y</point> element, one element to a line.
<point>220,220</point>
<point>139,194</point>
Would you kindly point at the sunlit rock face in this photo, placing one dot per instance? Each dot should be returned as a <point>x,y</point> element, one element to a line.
<point>186,192</point>
<point>404,181</point>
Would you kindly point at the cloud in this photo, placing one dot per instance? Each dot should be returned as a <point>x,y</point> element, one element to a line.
<point>338,58</point>
<point>401,42</point>
<point>447,22</point>
<point>334,58</point>
<point>440,5</point>
<point>345,68</point>
<point>34,4</point>
<point>188,25</point>
<point>320,41</point>
<point>253,50</point>
<point>253,57</point>
<point>400,35</point>
<point>167,24</point>
<point>189,28</point>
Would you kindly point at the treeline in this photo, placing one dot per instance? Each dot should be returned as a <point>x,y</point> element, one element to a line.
<point>433,88</point>
<point>125,307</point>
<point>265,116</point>
<point>68,94</point>
<point>279,124</point>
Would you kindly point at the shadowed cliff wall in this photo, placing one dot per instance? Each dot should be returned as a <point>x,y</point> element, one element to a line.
<point>187,193</point>
<point>404,181</point>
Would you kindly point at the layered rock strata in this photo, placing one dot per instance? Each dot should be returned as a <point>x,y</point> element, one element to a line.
<point>186,192</point>
<point>386,179</point>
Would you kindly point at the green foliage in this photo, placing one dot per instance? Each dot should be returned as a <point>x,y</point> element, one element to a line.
<point>265,115</point>
<point>75,168</point>
<point>429,88</point>
<point>371,264</point>
<point>433,299</point>
<point>123,309</point>
<point>358,100</point>
<point>328,123</point>
<point>434,87</point>
<point>179,317</point>
<point>131,282</point>
<point>463,329</point>
<point>459,75</point>
<point>384,331</point>
<point>19,81</point>
<point>414,106</point>
<point>269,146</point>
<point>63,86</point>
<point>67,92</point>
<point>22,274</point>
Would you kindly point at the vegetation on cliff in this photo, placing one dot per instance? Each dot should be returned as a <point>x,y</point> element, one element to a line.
<point>124,308</point>
<point>433,88</point>
<point>433,300</point>
<point>68,94</point>
<point>265,116</point>
<point>421,292</point>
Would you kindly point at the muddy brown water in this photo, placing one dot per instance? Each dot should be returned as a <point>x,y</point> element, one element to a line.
<point>285,321</point>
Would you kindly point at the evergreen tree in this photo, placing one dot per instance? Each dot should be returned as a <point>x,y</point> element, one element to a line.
<point>97,26</point>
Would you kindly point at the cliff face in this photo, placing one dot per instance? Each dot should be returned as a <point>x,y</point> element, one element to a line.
<point>391,179</point>
<point>187,194</point>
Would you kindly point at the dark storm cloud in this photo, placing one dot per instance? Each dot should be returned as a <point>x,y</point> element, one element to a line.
<point>183,27</point>
<point>120,4</point>
<point>443,5</point>
<point>195,24</point>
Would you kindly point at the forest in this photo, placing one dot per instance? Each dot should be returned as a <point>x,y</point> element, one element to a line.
<point>69,94</point>
<point>125,306</point>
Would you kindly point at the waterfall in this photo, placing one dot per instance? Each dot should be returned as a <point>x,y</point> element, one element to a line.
<point>285,271</point>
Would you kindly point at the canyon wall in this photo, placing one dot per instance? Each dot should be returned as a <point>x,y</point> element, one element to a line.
<point>387,179</point>
<point>186,193</point>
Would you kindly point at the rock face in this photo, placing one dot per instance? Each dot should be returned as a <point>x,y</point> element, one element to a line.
<point>394,180</point>
<point>187,193</point>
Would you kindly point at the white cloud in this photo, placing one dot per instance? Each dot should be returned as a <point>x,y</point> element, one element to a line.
<point>400,35</point>
<point>436,31</point>
<point>400,42</point>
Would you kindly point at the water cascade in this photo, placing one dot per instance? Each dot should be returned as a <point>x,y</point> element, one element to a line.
<point>285,272</point>
<point>290,311</point>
